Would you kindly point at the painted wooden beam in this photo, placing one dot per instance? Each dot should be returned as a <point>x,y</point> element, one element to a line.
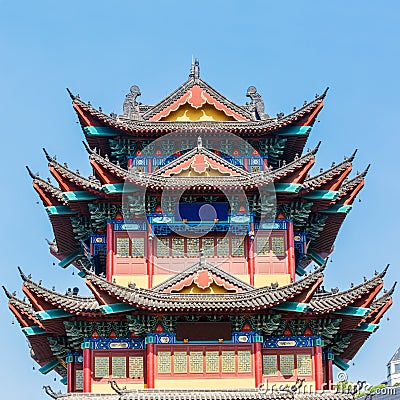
<point>80,195</point>
<point>322,195</point>
<point>340,363</point>
<point>365,327</point>
<point>49,367</point>
<point>295,131</point>
<point>59,210</point>
<point>316,257</point>
<point>337,209</point>
<point>33,330</point>
<point>52,314</point>
<point>353,311</point>
<point>70,259</point>
<point>288,187</point>
<point>116,308</point>
<point>292,306</point>
<point>100,131</point>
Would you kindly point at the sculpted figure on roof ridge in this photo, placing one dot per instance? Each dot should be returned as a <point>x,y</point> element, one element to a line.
<point>131,106</point>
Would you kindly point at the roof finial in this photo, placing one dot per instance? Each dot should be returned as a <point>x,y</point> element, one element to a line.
<point>195,69</point>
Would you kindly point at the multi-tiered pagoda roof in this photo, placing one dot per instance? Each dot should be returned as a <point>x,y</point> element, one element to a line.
<point>137,303</point>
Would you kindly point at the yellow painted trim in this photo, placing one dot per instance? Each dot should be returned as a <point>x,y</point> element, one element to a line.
<point>266,280</point>
<point>207,112</point>
<point>207,383</point>
<point>106,388</point>
<point>123,280</point>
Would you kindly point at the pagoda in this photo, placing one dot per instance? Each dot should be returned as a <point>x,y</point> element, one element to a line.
<point>204,239</point>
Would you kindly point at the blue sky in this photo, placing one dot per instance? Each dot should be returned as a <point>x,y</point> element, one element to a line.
<point>289,50</point>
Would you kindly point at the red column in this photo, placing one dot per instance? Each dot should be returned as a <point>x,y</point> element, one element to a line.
<point>110,252</point>
<point>291,256</point>
<point>258,364</point>
<point>87,370</point>
<point>329,374</point>
<point>318,367</point>
<point>150,256</point>
<point>150,365</point>
<point>246,164</point>
<point>70,377</point>
<point>250,255</point>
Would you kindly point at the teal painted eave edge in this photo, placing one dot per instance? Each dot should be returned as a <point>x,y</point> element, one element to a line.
<point>353,311</point>
<point>340,363</point>
<point>322,195</point>
<point>33,330</point>
<point>79,196</point>
<point>300,271</point>
<point>366,327</point>
<point>337,209</point>
<point>292,306</point>
<point>287,187</point>
<point>294,131</point>
<point>119,188</point>
<point>59,210</point>
<point>64,380</point>
<point>100,131</point>
<point>316,257</point>
<point>49,367</point>
<point>70,259</point>
<point>116,308</point>
<point>52,314</point>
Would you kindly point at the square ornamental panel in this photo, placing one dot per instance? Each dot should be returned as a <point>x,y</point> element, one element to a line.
<point>118,367</point>
<point>101,367</point>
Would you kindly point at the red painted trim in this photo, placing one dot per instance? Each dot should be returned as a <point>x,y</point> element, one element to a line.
<point>291,255</point>
<point>258,364</point>
<point>246,164</point>
<point>70,377</point>
<point>310,120</point>
<point>87,370</point>
<point>329,375</point>
<point>150,256</point>
<point>110,252</point>
<point>250,255</point>
<point>318,367</point>
<point>150,365</point>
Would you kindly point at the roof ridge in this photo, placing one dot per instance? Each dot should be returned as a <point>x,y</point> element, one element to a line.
<point>331,172</point>
<point>73,175</point>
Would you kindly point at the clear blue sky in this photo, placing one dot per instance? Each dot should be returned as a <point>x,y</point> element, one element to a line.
<point>289,50</point>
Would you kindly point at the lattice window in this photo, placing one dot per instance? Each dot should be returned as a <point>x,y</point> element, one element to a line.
<point>304,364</point>
<point>79,379</point>
<point>101,367</point>
<point>270,364</point>
<point>262,246</point>
<point>244,361</point>
<point>162,247</point>
<point>180,362</point>
<point>212,361</point>
<point>137,247</point>
<point>164,362</point>
<point>228,361</point>
<point>196,362</point>
<point>255,169</point>
<point>237,247</point>
<point>207,244</point>
<point>178,247</point>
<point>223,247</point>
<point>278,245</point>
<point>122,247</point>
<point>118,367</point>
<point>287,364</point>
<point>192,245</point>
<point>136,367</point>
